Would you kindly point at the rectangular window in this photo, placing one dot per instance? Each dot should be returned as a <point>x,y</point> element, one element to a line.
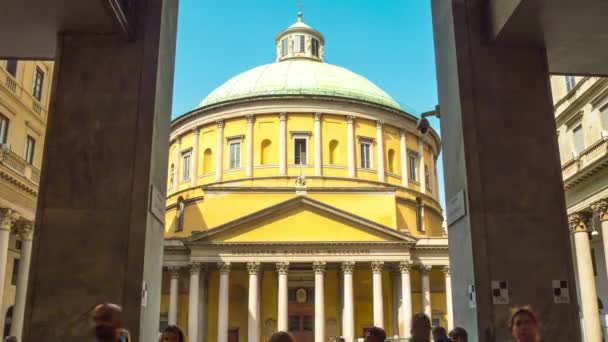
<point>577,139</point>
<point>315,47</point>
<point>38,81</point>
<point>366,155</point>
<point>570,83</point>
<point>300,43</point>
<point>11,67</point>
<point>413,161</point>
<point>186,165</point>
<point>30,149</point>
<point>604,118</point>
<point>294,323</point>
<point>284,47</point>
<point>235,155</point>
<point>15,274</point>
<point>307,323</point>
<point>300,156</point>
<point>419,222</point>
<point>3,129</point>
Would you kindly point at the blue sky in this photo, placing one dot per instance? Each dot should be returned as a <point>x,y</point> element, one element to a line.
<point>390,42</point>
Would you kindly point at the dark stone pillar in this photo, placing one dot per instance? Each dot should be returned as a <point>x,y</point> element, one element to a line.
<point>500,149</point>
<point>99,234</point>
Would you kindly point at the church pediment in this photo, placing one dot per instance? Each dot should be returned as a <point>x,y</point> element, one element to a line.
<point>301,219</point>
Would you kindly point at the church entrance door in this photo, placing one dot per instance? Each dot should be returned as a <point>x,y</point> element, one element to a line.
<point>301,314</point>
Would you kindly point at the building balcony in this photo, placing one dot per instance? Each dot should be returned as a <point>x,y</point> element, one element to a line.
<point>585,164</point>
<point>20,172</point>
<point>24,97</point>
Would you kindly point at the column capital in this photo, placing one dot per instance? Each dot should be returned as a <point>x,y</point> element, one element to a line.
<point>319,267</point>
<point>173,271</point>
<point>23,228</point>
<point>8,217</point>
<point>404,266</point>
<point>317,116</point>
<point>195,267</point>
<point>578,222</point>
<point>424,269</point>
<point>250,118</point>
<point>379,123</point>
<point>350,119</point>
<point>253,268</point>
<point>283,116</point>
<point>282,268</point>
<point>220,123</point>
<point>348,267</point>
<point>224,267</point>
<point>196,130</point>
<point>402,133</point>
<point>446,270</point>
<point>601,208</point>
<point>377,266</point>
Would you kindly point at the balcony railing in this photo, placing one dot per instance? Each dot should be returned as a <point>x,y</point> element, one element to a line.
<point>24,96</point>
<point>586,163</point>
<point>14,162</point>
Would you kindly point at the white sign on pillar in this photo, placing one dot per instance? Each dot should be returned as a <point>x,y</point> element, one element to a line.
<point>472,297</point>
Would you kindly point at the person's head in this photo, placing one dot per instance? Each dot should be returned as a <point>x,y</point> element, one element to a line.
<point>339,339</point>
<point>439,332</point>
<point>281,336</point>
<point>375,334</point>
<point>10,339</point>
<point>524,325</point>
<point>458,334</point>
<point>107,322</point>
<point>172,333</point>
<point>421,326</point>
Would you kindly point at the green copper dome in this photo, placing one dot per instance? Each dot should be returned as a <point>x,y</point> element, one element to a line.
<point>299,77</point>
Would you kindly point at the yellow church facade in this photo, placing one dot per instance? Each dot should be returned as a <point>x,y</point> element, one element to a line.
<point>302,198</point>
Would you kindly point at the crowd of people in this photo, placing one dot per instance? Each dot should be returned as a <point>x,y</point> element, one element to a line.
<point>108,327</point>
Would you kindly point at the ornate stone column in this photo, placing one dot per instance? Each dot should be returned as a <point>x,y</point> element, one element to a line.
<point>8,217</point>
<point>426,290</point>
<point>282,270</point>
<point>348,311</point>
<point>178,163</point>
<point>24,230</point>
<point>253,321</point>
<point>282,144</point>
<point>422,174</point>
<point>586,280</point>
<point>194,158</point>
<point>223,302</point>
<point>350,144</point>
<point>406,297</point>
<point>193,299</point>
<point>448,297</point>
<point>318,144</point>
<point>403,148</point>
<point>219,156</point>
<point>601,209</point>
<point>380,150</point>
<point>319,267</point>
<point>249,140</point>
<point>377,267</point>
<point>173,293</point>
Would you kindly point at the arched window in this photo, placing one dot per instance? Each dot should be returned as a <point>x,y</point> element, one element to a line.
<point>265,152</point>
<point>8,321</point>
<point>334,155</point>
<point>391,160</point>
<point>427,178</point>
<point>207,161</point>
<point>180,215</point>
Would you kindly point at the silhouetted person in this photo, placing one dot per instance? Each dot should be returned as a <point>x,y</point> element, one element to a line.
<point>10,339</point>
<point>107,323</point>
<point>458,334</point>
<point>375,334</point>
<point>421,328</point>
<point>440,335</point>
<point>339,339</point>
<point>172,333</point>
<point>524,325</point>
<point>281,336</point>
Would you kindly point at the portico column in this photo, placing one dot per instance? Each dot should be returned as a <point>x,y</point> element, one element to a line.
<point>223,302</point>
<point>219,160</point>
<point>24,230</point>
<point>319,267</point>
<point>601,209</point>
<point>403,148</point>
<point>282,269</point>
<point>348,312</point>
<point>586,280</point>
<point>282,144</point>
<point>426,290</point>
<point>253,320</point>
<point>193,299</point>
<point>380,150</point>
<point>421,167</point>
<point>377,295</point>
<point>318,156</point>
<point>194,159</point>
<point>431,174</point>
<point>448,297</point>
<point>350,144</point>
<point>178,163</point>
<point>173,293</point>
<point>406,297</point>
<point>249,140</point>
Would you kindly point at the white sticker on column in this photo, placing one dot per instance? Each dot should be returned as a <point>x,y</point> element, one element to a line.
<point>472,297</point>
<point>144,294</point>
<point>500,292</point>
<point>561,292</point>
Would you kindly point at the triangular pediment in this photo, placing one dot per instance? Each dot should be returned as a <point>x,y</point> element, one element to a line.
<point>301,219</point>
